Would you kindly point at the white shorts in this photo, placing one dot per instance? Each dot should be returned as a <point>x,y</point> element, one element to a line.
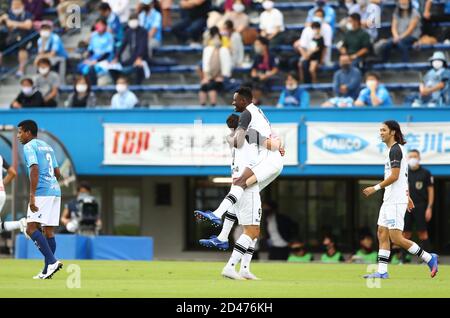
<point>268,169</point>
<point>2,199</point>
<point>248,208</point>
<point>49,211</point>
<point>392,216</point>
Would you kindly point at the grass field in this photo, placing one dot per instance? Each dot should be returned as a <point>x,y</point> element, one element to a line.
<point>202,279</point>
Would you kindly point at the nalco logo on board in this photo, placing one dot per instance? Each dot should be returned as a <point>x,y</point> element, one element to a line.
<point>341,143</point>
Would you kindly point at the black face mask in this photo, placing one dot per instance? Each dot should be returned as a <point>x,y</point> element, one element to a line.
<point>345,67</point>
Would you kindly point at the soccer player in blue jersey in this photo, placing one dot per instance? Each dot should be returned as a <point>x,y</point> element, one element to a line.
<point>45,195</point>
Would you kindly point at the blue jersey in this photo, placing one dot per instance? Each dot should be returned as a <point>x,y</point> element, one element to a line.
<point>38,152</point>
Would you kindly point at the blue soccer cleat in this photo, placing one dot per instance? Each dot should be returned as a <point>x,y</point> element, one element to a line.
<point>213,241</point>
<point>208,216</point>
<point>433,264</point>
<point>377,275</point>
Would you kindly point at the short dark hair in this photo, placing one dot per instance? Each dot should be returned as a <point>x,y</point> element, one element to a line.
<point>84,185</point>
<point>245,92</point>
<point>319,10</point>
<point>414,150</point>
<point>315,25</point>
<point>233,121</point>
<point>293,75</point>
<point>264,41</point>
<point>101,20</point>
<point>45,60</point>
<point>229,24</point>
<point>122,78</point>
<point>27,79</point>
<point>104,6</point>
<point>356,16</point>
<point>373,74</point>
<point>29,125</point>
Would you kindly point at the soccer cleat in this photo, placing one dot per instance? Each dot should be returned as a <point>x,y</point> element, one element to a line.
<point>248,275</point>
<point>52,269</point>
<point>23,227</point>
<point>230,272</point>
<point>208,216</point>
<point>39,276</point>
<point>213,241</point>
<point>433,264</point>
<point>377,275</point>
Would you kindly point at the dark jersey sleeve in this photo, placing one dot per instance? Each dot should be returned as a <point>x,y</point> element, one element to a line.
<point>254,137</point>
<point>5,165</point>
<point>429,182</point>
<point>245,119</point>
<point>395,156</point>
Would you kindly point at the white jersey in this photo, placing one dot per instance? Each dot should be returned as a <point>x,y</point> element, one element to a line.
<point>396,193</point>
<point>242,158</point>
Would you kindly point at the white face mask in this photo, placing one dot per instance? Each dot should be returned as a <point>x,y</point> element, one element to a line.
<point>43,70</point>
<point>27,90</point>
<point>413,162</point>
<point>404,6</point>
<point>437,64</point>
<point>238,7</point>
<point>133,24</point>
<point>121,88</point>
<point>369,83</point>
<point>349,26</point>
<point>45,34</point>
<point>17,11</point>
<point>291,87</point>
<point>268,5</point>
<point>81,88</point>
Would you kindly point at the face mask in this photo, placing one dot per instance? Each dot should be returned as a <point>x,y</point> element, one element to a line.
<point>17,11</point>
<point>291,87</point>
<point>413,162</point>
<point>27,90</point>
<point>258,50</point>
<point>100,28</point>
<point>45,34</point>
<point>404,6</point>
<point>121,88</point>
<point>133,24</point>
<point>349,26</point>
<point>437,64</point>
<point>369,83</point>
<point>81,88</point>
<point>43,70</point>
<point>345,66</point>
<point>238,7</point>
<point>267,5</point>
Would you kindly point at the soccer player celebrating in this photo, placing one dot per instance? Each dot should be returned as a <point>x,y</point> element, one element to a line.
<point>396,202</point>
<point>45,195</point>
<point>11,174</point>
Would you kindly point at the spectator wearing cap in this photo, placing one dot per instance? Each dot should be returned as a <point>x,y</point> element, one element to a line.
<point>151,20</point>
<point>47,82</point>
<point>29,96</point>
<point>434,91</point>
<point>51,46</point>
<point>356,41</point>
<point>330,14</point>
<point>374,94</point>
<point>121,8</point>
<point>135,45</point>
<point>194,14</point>
<point>113,22</point>
<point>16,25</point>
<point>271,24</point>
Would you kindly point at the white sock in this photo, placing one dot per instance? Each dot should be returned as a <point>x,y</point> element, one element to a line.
<point>417,250</point>
<point>228,223</point>
<point>11,225</point>
<point>247,258</point>
<point>232,197</point>
<point>383,260</point>
<point>240,248</point>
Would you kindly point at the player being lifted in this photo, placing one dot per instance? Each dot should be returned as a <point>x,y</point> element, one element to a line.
<point>45,195</point>
<point>10,175</point>
<point>269,162</point>
<point>396,202</point>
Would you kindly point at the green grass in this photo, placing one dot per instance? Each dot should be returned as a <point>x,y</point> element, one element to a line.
<point>202,279</point>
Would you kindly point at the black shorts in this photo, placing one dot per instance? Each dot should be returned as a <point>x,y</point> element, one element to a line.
<point>211,86</point>
<point>416,217</point>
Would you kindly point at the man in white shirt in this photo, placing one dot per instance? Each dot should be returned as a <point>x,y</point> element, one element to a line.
<point>271,23</point>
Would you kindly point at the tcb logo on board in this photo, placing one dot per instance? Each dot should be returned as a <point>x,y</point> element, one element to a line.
<point>341,143</point>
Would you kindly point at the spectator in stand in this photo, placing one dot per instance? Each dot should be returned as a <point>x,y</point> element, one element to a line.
<point>51,46</point>
<point>433,13</point>
<point>216,67</point>
<point>65,10</point>
<point>312,56</point>
<point>36,8</point>
<point>136,59</point>
<point>370,15</point>
<point>47,82</point>
<point>121,8</point>
<point>29,96</point>
<point>101,48</point>
<point>330,14</point>
<point>14,27</point>
<point>263,69</point>
<point>113,22</point>
<point>331,255</point>
<point>236,15</point>
<point>299,253</point>
<point>124,98</point>
<point>347,80</point>
<point>82,96</point>
<point>271,24</point>
<point>405,30</point>
<point>236,44</point>
<point>374,94</point>
<point>356,41</point>
<point>366,253</point>
<point>293,95</point>
<point>434,91</point>
<point>194,14</point>
<point>151,20</point>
